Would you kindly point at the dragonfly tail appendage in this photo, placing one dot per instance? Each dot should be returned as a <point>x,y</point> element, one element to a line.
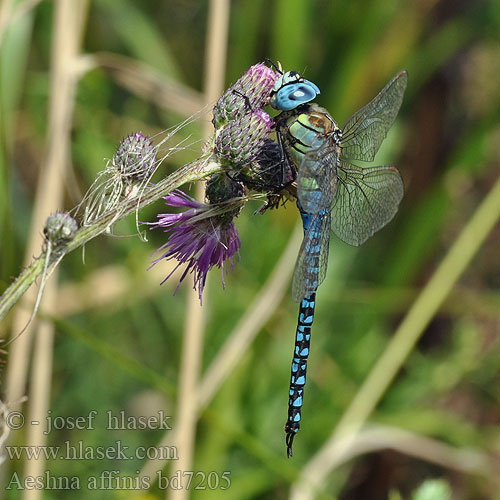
<point>299,368</point>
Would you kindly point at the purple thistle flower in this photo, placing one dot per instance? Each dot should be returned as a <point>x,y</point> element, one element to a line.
<point>125,175</point>
<point>135,158</point>
<point>201,237</point>
<point>241,141</point>
<point>251,91</point>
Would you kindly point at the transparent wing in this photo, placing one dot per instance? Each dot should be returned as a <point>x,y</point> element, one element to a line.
<point>312,262</point>
<point>316,179</point>
<point>366,200</point>
<point>367,128</point>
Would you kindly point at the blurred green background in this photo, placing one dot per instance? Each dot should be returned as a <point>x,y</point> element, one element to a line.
<point>119,333</point>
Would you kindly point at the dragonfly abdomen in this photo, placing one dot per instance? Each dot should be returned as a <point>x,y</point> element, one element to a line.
<point>299,369</point>
<point>313,224</point>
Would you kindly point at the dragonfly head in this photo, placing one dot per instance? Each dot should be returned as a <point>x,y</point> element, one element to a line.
<point>291,90</point>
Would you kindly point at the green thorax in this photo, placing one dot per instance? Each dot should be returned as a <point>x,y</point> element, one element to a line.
<point>306,128</point>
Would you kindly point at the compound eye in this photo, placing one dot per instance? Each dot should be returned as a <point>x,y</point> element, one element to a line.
<point>293,95</point>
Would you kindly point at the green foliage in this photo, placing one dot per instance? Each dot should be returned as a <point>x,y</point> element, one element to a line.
<point>119,335</point>
<point>436,489</point>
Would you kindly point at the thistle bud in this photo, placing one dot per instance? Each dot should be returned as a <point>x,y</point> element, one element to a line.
<point>272,168</point>
<point>220,189</point>
<point>135,158</point>
<point>60,228</point>
<point>241,141</point>
<point>250,92</point>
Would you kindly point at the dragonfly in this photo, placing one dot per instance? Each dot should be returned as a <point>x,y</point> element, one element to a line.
<point>332,193</point>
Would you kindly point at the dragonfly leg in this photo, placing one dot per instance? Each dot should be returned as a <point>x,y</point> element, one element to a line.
<point>270,173</point>
<point>285,160</point>
<point>247,100</point>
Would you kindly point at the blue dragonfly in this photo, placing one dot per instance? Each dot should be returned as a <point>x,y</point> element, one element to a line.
<point>332,193</point>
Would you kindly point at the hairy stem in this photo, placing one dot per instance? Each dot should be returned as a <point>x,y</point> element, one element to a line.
<point>192,172</point>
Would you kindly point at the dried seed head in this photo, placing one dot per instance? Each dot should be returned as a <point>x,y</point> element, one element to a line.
<point>135,157</point>
<point>125,175</point>
<point>250,92</point>
<point>241,141</point>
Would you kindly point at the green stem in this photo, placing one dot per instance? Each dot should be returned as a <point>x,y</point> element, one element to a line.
<point>22,283</point>
<point>192,172</point>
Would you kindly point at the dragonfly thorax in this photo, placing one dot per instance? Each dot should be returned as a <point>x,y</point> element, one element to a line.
<point>305,129</point>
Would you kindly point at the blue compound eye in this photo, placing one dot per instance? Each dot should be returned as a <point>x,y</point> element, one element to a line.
<point>291,90</point>
<point>294,94</point>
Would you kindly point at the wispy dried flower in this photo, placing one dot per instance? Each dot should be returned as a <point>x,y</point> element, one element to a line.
<point>125,175</point>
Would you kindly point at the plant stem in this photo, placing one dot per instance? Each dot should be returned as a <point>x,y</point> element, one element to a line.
<point>192,172</point>
<point>22,283</point>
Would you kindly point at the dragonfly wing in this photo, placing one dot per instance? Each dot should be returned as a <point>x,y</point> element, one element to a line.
<point>316,179</point>
<point>367,128</point>
<point>366,200</point>
<point>312,262</point>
